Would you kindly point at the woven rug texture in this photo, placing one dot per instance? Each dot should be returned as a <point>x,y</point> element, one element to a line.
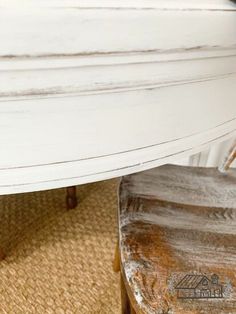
<point>59,261</point>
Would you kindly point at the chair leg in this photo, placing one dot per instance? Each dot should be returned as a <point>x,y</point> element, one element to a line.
<point>231,156</point>
<point>116,261</point>
<point>71,198</point>
<point>132,310</point>
<point>126,307</point>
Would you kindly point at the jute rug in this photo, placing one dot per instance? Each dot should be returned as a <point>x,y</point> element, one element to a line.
<point>59,261</point>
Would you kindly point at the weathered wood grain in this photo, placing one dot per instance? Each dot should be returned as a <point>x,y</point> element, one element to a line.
<point>177,222</point>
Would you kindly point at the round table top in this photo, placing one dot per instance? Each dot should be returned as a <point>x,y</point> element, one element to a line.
<point>91,91</point>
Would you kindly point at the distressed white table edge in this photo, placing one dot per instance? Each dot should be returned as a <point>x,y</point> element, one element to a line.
<point>91,90</point>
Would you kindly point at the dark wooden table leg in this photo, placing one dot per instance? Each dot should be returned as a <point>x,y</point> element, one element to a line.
<point>2,255</point>
<point>71,198</point>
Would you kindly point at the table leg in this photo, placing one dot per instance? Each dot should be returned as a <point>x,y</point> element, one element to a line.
<point>2,255</point>
<point>71,198</point>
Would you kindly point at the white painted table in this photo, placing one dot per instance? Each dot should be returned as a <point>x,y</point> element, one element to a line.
<point>93,89</point>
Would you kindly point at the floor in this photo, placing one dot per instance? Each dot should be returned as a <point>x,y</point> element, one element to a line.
<point>59,261</point>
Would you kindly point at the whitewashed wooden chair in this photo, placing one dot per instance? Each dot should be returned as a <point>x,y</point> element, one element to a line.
<point>177,240</point>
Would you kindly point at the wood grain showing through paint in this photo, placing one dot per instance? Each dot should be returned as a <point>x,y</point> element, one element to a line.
<point>178,221</point>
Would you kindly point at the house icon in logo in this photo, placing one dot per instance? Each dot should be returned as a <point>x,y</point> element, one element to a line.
<point>199,287</point>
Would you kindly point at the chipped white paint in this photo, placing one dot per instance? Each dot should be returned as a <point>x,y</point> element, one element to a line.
<point>131,268</point>
<point>185,221</point>
<point>91,90</point>
<point>202,253</point>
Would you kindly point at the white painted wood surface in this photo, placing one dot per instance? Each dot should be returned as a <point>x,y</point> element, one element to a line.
<point>91,90</point>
